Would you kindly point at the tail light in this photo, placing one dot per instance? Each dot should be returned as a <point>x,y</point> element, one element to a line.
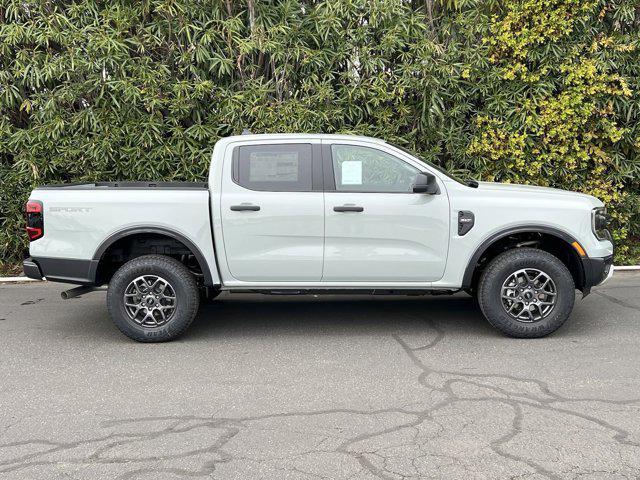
<point>35,219</point>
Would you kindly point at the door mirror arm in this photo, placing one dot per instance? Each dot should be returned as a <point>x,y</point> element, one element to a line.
<point>426,183</point>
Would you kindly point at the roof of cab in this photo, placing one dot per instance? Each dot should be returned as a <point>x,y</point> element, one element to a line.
<point>301,136</point>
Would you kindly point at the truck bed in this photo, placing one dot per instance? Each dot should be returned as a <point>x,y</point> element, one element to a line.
<point>82,220</point>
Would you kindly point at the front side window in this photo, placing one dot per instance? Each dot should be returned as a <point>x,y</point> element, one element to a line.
<point>365,169</point>
<point>276,168</point>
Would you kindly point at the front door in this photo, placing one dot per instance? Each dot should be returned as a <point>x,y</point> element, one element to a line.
<point>273,213</point>
<point>376,228</point>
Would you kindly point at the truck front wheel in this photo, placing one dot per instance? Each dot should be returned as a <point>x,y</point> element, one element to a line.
<point>153,298</point>
<point>526,293</point>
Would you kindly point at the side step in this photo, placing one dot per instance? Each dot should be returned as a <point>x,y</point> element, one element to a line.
<point>346,291</point>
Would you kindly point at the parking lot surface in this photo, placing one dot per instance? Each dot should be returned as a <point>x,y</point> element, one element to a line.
<point>335,387</point>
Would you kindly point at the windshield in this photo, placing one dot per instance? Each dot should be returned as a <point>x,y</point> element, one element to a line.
<point>431,164</point>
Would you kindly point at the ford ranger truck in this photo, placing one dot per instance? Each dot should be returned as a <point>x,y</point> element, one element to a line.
<point>300,214</point>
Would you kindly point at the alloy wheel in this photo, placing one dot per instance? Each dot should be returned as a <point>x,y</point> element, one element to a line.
<point>150,301</point>
<point>528,295</point>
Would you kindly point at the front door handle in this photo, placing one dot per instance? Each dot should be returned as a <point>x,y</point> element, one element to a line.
<point>245,207</point>
<point>348,208</point>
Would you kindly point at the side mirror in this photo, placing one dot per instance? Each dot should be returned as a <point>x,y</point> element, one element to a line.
<point>426,183</point>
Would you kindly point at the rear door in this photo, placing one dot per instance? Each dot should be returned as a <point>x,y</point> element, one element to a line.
<point>272,210</point>
<point>376,228</point>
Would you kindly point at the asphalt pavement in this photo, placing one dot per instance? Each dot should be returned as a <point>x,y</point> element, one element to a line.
<point>337,387</point>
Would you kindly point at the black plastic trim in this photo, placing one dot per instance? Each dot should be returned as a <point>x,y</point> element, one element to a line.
<point>345,291</point>
<point>66,270</point>
<point>466,220</point>
<point>31,269</point>
<point>468,273</point>
<point>129,186</point>
<point>97,256</point>
<point>317,179</point>
<point>595,271</point>
<point>327,168</point>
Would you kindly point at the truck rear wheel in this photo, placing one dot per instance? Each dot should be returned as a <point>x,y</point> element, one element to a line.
<point>526,293</point>
<point>153,298</point>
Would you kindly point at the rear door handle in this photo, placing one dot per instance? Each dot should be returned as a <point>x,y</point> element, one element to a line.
<point>348,208</point>
<point>245,207</point>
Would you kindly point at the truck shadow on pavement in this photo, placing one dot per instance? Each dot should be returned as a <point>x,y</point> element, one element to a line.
<point>244,315</point>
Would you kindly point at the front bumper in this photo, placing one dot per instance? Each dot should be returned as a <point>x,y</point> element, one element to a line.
<point>596,271</point>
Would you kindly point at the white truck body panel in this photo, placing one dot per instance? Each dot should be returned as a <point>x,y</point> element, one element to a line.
<point>498,207</point>
<point>283,242</point>
<point>77,222</point>
<point>384,245</point>
<point>400,237</point>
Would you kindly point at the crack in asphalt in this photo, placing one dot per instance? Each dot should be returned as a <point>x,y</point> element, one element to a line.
<point>620,435</point>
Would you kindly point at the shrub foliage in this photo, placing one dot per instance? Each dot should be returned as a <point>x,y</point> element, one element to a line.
<point>531,91</point>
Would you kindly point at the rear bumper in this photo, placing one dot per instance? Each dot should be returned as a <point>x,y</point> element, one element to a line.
<point>31,269</point>
<point>67,270</point>
<point>596,271</point>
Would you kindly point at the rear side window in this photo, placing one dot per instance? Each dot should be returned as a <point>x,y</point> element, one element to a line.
<point>274,168</point>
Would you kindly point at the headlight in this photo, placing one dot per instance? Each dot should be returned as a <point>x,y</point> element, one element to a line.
<point>599,223</point>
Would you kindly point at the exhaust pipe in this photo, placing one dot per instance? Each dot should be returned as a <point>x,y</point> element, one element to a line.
<point>75,292</point>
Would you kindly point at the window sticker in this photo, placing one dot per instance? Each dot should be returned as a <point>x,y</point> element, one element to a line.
<point>273,167</point>
<point>351,172</point>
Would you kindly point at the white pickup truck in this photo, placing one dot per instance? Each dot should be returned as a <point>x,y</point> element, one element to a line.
<point>298,214</point>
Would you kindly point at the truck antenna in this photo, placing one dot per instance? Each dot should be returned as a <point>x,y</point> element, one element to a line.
<point>246,131</point>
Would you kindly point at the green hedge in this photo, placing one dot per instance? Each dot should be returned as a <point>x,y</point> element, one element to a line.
<point>531,91</point>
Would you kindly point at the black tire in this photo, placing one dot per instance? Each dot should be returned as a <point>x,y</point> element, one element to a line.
<point>505,265</point>
<point>180,280</point>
